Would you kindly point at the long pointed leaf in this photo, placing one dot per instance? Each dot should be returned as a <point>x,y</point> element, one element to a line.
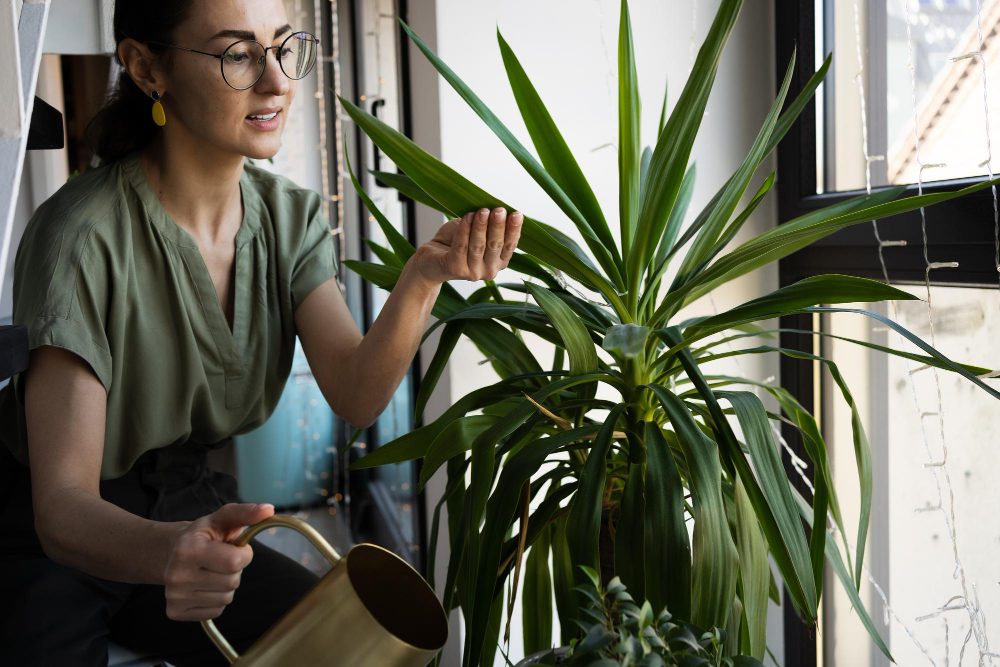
<point>521,154</point>
<point>629,147</point>
<point>714,568</point>
<point>457,195</point>
<point>719,214</point>
<point>668,549</point>
<point>755,574</point>
<point>551,146</point>
<point>630,548</point>
<point>792,557</point>
<point>673,148</point>
<point>576,339</point>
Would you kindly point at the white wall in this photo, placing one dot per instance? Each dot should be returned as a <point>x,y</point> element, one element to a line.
<point>568,48</point>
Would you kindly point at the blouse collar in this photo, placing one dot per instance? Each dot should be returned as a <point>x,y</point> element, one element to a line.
<point>168,227</point>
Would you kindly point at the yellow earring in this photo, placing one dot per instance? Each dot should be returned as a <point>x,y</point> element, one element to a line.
<point>159,115</point>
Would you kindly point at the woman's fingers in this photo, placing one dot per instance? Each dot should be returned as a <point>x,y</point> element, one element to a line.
<point>458,262</point>
<point>477,243</point>
<point>494,243</point>
<point>512,234</point>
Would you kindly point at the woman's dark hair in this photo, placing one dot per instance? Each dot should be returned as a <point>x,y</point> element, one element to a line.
<point>125,123</point>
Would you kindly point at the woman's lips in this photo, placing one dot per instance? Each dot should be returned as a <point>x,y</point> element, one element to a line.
<point>264,122</point>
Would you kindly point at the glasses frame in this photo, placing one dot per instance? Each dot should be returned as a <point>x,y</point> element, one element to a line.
<point>222,62</point>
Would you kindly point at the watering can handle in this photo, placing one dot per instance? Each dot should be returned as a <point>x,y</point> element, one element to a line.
<point>287,521</point>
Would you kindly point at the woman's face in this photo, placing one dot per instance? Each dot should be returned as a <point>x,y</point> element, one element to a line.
<point>200,100</point>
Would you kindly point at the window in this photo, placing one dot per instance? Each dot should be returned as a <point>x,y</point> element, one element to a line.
<point>940,107</point>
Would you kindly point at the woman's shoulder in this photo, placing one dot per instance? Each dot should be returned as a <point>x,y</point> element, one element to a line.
<point>281,194</point>
<point>87,200</point>
<point>79,223</point>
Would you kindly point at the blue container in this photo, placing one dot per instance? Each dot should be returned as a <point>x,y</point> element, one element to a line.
<point>288,460</point>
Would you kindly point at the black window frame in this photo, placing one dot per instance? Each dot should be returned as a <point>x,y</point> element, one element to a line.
<point>960,230</point>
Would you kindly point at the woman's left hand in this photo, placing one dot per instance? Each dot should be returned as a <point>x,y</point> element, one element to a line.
<point>474,247</point>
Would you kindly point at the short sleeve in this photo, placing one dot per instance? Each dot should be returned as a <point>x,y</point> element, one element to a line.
<point>61,295</point>
<point>316,260</point>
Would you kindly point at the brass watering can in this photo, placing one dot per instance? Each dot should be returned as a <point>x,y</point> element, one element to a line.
<point>372,608</point>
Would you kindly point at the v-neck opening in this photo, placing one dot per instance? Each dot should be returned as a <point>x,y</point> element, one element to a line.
<point>230,343</point>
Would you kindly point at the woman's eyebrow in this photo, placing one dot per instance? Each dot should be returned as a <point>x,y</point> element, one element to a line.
<point>249,34</point>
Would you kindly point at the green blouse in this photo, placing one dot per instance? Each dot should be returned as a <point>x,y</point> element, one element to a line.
<point>105,273</point>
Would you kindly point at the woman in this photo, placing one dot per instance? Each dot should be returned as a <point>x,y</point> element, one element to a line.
<point>162,293</point>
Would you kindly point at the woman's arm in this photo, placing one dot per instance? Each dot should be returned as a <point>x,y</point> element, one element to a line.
<point>65,408</point>
<point>358,374</point>
<point>195,561</point>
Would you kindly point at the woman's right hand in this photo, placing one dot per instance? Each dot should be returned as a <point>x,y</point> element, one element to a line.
<point>203,570</point>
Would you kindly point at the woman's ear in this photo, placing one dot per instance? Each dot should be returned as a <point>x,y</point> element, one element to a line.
<point>142,65</point>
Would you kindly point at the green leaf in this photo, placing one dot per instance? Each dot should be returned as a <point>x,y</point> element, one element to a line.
<point>755,574</point>
<point>629,533</point>
<point>562,581</point>
<point>576,338</point>
<point>552,148</point>
<point>457,195</point>
<point>456,438</point>
<point>626,340</point>
<point>811,291</point>
<point>383,254</point>
<point>715,561</point>
<point>668,549</point>
<point>721,210</point>
<point>629,147</point>
<point>944,361</point>
<point>583,525</point>
<point>784,124</point>
<point>543,519</point>
<point>790,554</point>
<point>663,111</point>
<point>774,484</point>
<point>521,154</point>
<point>406,187</point>
<point>670,156</point>
<point>506,351</point>
<point>536,600</point>
<point>399,243</point>
<point>484,548</point>
<point>796,234</point>
<point>446,345</point>
<point>837,564</point>
<point>647,157</point>
<point>676,218</point>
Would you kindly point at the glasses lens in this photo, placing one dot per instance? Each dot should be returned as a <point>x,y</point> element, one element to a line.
<point>243,63</point>
<point>298,55</point>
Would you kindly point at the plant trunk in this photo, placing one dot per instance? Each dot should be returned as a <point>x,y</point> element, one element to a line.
<point>606,547</point>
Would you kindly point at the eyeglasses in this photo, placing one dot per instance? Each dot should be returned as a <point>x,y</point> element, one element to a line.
<point>243,63</point>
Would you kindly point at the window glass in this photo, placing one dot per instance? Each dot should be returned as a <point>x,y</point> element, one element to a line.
<point>942,95</point>
<point>911,421</point>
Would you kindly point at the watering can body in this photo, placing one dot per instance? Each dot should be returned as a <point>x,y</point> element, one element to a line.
<point>371,608</point>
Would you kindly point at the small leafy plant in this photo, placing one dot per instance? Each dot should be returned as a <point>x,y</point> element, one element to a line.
<point>617,632</point>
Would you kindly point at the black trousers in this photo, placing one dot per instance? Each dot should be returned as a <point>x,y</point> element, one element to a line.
<point>51,614</point>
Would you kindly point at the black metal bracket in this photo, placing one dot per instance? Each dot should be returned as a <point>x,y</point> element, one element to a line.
<point>46,130</point>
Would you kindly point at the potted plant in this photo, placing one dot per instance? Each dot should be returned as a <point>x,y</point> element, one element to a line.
<point>556,470</point>
<point>617,632</point>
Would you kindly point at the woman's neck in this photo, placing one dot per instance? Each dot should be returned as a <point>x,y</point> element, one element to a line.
<point>198,188</point>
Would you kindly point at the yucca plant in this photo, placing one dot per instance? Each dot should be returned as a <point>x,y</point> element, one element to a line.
<point>555,470</point>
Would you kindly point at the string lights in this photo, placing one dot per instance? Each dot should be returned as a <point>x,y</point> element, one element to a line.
<point>968,601</point>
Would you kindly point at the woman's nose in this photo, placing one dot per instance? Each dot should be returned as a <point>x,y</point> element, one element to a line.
<point>273,81</point>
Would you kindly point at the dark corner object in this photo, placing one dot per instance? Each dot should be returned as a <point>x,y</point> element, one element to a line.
<point>46,131</point>
<point>13,350</point>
